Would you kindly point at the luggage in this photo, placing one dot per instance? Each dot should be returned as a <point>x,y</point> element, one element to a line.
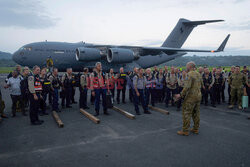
<point>109,101</point>
<point>244,102</point>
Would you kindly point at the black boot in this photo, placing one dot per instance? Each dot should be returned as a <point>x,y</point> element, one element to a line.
<point>106,112</point>
<point>96,113</point>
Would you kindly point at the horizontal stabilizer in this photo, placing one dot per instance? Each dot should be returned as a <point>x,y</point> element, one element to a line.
<point>195,23</point>
<point>169,51</point>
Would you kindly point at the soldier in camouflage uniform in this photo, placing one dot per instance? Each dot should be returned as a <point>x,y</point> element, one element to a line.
<point>236,82</point>
<point>229,88</point>
<point>191,94</point>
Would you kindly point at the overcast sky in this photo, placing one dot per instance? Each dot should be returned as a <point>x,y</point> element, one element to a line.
<point>128,22</point>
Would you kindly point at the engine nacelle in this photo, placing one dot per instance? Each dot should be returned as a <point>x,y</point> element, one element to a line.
<point>87,54</point>
<point>120,55</point>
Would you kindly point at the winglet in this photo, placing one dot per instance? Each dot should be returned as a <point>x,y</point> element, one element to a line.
<point>223,44</point>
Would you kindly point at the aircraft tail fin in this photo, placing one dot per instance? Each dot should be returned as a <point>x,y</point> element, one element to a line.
<point>181,32</point>
<point>223,44</point>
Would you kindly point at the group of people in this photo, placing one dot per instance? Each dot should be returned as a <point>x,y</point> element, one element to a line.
<point>33,88</point>
<point>214,85</point>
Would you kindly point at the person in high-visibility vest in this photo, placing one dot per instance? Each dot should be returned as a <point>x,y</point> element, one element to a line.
<point>121,85</point>
<point>46,89</point>
<point>99,86</point>
<point>35,89</point>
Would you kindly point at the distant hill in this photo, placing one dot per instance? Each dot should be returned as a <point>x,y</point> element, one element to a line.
<point>211,60</point>
<point>6,60</point>
<point>5,55</point>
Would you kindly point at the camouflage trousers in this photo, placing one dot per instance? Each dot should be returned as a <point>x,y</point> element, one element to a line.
<point>236,94</point>
<point>190,110</point>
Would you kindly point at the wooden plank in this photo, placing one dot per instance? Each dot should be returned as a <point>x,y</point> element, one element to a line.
<point>90,116</point>
<point>127,114</point>
<point>159,110</point>
<point>57,119</point>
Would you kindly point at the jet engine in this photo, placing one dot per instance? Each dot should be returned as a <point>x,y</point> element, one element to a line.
<point>120,55</point>
<point>87,54</point>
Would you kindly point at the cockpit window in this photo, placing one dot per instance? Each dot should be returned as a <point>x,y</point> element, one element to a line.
<point>26,48</point>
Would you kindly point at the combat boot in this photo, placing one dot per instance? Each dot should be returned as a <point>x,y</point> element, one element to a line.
<point>105,112</point>
<point>231,106</point>
<point>195,131</point>
<point>96,113</point>
<point>182,133</point>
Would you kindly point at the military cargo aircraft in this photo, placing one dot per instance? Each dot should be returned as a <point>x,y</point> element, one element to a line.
<point>81,54</point>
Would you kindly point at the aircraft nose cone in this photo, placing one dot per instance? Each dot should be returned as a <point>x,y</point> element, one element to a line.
<point>15,57</point>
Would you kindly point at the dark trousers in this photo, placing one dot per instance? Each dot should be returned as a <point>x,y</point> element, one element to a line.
<point>207,92</point>
<point>83,97</point>
<point>229,94</point>
<point>217,93</point>
<point>150,92</point>
<point>223,93</point>
<point>73,95</point>
<point>68,94</point>
<point>141,99</point>
<point>34,107</point>
<point>98,93</point>
<point>112,92</point>
<point>131,96</point>
<point>63,97</point>
<point>15,99</point>
<point>169,95</point>
<point>43,102</point>
<point>164,93</point>
<point>159,93</point>
<point>55,99</point>
<point>92,98</point>
<point>179,101</point>
<point>123,93</point>
<point>25,100</point>
<point>248,94</point>
<point>50,97</point>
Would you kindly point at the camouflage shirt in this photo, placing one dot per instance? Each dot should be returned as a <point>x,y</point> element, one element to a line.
<point>192,87</point>
<point>237,80</point>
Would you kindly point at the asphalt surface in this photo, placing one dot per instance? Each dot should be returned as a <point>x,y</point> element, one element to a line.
<point>149,140</point>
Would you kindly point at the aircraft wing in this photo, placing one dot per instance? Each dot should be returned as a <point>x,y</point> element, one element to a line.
<point>157,50</point>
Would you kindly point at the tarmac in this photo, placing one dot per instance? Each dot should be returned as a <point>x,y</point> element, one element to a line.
<point>148,140</point>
